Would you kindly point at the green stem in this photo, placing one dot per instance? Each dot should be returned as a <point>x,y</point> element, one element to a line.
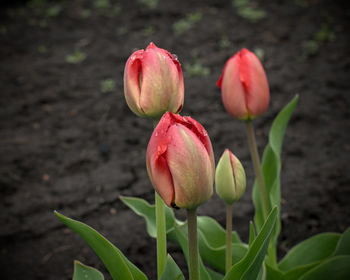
<point>257,168</point>
<point>161,234</point>
<point>161,230</point>
<point>192,244</point>
<point>265,201</point>
<point>228,237</point>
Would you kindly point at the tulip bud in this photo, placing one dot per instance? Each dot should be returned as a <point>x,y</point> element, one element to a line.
<point>153,83</point>
<point>244,86</point>
<point>230,181</point>
<point>180,161</point>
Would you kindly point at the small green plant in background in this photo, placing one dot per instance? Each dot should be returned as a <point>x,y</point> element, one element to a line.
<point>122,30</point>
<point>148,30</point>
<point>225,43</point>
<point>76,57</point>
<point>196,68</point>
<point>150,4</point>
<point>105,8</point>
<point>185,24</point>
<point>260,53</point>
<point>54,10</point>
<point>107,85</point>
<point>42,49</point>
<point>85,13</point>
<point>248,10</point>
<point>324,35</point>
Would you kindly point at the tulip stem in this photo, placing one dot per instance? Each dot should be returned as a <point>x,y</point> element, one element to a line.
<point>228,237</point>
<point>161,234</point>
<point>161,230</point>
<point>257,168</point>
<point>192,244</point>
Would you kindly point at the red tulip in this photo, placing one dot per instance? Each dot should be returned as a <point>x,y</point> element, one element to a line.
<point>180,161</point>
<point>244,86</point>
<point>153,82</point>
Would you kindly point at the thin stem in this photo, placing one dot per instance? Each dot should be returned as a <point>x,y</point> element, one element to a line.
<point>161,234</point>
<point>192,244</point>
<point>228,237</point>
<point>257,168</point>
<point>161,230</point>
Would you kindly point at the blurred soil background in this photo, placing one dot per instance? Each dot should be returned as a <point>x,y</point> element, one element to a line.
<point>69,142</point>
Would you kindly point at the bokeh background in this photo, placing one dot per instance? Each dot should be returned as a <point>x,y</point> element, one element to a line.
<point>69,142</point>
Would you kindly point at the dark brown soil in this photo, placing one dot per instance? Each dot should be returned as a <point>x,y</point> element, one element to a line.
<point>70,144</point>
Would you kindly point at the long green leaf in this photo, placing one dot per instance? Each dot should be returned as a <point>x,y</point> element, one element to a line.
<point>250,266</point>
<point>343,246</point>
<point>85,272</point>
<point>212,236</point>
<point>314,249</point>
<point>172,271</point>
<point>117,264</point>
<point>336,268</point>
<point>142,208</point>
<point>252,233</point>
<point>271,167</point>
<point>181,236</point>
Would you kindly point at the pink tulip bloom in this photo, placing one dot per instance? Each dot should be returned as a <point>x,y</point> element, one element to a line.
<point>244,86</point>
<point>153,83</point>
<point>180,161</point>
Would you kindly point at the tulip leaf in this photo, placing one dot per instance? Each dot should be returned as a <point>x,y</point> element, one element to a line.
<point>142,208</point>
<point>343,246</point>
<point>214,275</point>
<point>335,268</point>
<point>84,272</point>
<point>298,271</point>
<point>314,249</point>
<point>116,263</point>
<point>250,266</point>
<point>273,273</point>
<point>252,233</point>
<point>212,237</point>
<point>172,271</point>
<point>271,167</point>
<point>181,237</point>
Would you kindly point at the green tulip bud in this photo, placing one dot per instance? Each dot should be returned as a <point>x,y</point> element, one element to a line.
<point>230,180</point>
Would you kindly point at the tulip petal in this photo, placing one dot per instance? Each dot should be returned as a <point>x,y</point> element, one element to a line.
<point>254,82</point>
<point>132,89</point>
<point>190,167</point>
<point>233,93</point>
<point>160,83</point>
<point>157,165</point>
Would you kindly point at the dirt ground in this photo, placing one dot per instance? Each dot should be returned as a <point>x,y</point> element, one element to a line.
<point>70,143</point>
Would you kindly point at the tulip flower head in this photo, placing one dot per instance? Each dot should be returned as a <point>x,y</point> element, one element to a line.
<point>244,86</point>
<point>153,83</point>
<point>230,180</point>
<point>180,161</point>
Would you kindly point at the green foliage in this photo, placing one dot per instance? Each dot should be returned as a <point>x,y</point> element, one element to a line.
<point>196,69</point>
<point>76,57</point>
<point>247,10</point>
<point>148,31</point>
<point>105,8</point>
<point>271,167</point>
<point>225,43</point>
<point>309,251</point>
<point>54,10</point>
<point>84,272</point>
<point>260,53</point>
<point>172,271</point>
<point>107,85</point>
<point>211,236</point>
<point>116,263</point>
<point>185,24</point>
<point>42,49</point>
<point>250,266</point>
<point>150,4</point>
<point>85,13</point>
